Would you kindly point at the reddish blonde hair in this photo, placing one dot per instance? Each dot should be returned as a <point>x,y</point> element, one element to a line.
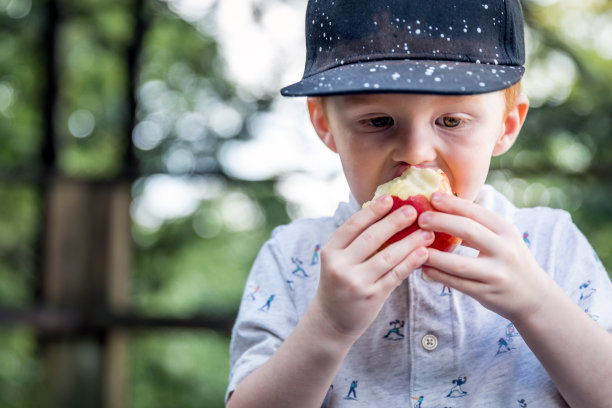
<point>510,95</point>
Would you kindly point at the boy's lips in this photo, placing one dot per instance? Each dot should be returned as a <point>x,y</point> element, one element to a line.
<point>401,168</point>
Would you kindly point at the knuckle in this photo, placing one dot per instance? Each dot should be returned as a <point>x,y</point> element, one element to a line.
<point>512,257</point>
<point>472,210</point>
<point>472,213</point>
<point>332,268</point>
<point>461,269</point>
<point>401,271</point>
<point>368,237</point>
<point>471,235</point>
<point>387,259</point>
<point>352,286</point>
<point>368,293</point>
<point>353,224</point>
<point>358,289</point>
<point>502,280</point>
<point>397,276</point>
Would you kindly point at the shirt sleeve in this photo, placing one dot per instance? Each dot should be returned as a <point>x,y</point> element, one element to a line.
<point>266,316</point>
<point>580,272</point>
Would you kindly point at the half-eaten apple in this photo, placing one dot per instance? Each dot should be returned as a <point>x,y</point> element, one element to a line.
<point>415,187</point>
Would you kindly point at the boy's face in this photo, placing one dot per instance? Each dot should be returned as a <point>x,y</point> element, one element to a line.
<point>377,136</point>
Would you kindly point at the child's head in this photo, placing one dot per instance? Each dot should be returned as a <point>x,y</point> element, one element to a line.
<point>395,83</point>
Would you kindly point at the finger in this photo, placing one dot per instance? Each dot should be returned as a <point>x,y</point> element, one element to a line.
<point>402,270</point>
<point>448,203</point>
<point>393,255</point>
<point>470,231</point>
<point>359,221</point>
<point>467,286</point>
<point>460,266</point>
<point>373,237</point>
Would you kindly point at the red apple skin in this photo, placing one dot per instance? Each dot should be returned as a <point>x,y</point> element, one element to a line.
<point>442,241</point>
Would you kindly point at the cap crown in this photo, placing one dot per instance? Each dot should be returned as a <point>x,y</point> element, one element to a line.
<point>342,32</point>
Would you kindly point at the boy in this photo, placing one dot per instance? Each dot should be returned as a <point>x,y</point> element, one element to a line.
<point>392,84</point>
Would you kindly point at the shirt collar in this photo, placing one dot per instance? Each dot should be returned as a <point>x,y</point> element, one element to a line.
<point>346,209</point>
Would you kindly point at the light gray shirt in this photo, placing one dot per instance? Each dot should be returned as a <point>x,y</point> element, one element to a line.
<point>430,346</point>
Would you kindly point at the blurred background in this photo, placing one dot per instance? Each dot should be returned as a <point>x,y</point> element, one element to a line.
<point>146,155</point>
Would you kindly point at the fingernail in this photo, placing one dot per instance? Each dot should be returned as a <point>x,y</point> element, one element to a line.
<point>384,200</point>
<point>424,218</point>
<point>427,235</point>
<point>436,198</point>
<point>408,211</point>
<point>421,252</point>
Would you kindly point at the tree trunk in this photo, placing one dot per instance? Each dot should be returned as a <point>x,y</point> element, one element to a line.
<point>86,272</point>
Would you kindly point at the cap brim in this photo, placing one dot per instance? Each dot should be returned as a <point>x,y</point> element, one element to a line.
<point>430,77</point>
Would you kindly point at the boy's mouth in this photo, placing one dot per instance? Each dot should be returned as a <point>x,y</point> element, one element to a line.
<point>401,168</point>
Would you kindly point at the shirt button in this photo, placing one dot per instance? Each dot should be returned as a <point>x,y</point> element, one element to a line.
<point>429,342</point>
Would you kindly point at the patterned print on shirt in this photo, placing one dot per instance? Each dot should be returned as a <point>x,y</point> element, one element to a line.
<point>394,332</point>
<point>446,291</point>
<point>586,290</point>
<point>456,391</point>
<point>526,239</point>
<point>298,271</point>
<point>419,401</point>
<point>315,255</point>
<point>251,292</point>
<point>504,344</point>
<point>511,332</point>
<point>591,315</point>
<point>267,305</point>
<point>290,284</point>
<point>522,403</point>
<point>503,347</point>
<point>352,394</point>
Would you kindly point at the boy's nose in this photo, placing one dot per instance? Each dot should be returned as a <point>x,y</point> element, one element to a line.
<point>415,146</point>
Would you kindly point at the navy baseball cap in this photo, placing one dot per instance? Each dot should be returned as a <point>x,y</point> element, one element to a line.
<point>419,46</point>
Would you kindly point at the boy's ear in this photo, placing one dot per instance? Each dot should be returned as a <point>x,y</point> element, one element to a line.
<point>512,125</point>
<point>318,117</point>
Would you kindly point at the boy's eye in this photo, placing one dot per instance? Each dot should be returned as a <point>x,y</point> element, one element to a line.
<point>381,122</point>
<point>451,121</point>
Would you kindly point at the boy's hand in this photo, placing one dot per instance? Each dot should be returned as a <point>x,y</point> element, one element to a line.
<point>355,278</point>
<point>504,277</point>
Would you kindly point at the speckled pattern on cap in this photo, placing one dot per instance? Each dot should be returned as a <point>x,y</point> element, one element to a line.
<point>424,46</point>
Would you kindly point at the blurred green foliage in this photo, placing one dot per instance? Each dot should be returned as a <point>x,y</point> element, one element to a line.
<point>178,369</point>
<point>21,376</point>
<point>194,261</point>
